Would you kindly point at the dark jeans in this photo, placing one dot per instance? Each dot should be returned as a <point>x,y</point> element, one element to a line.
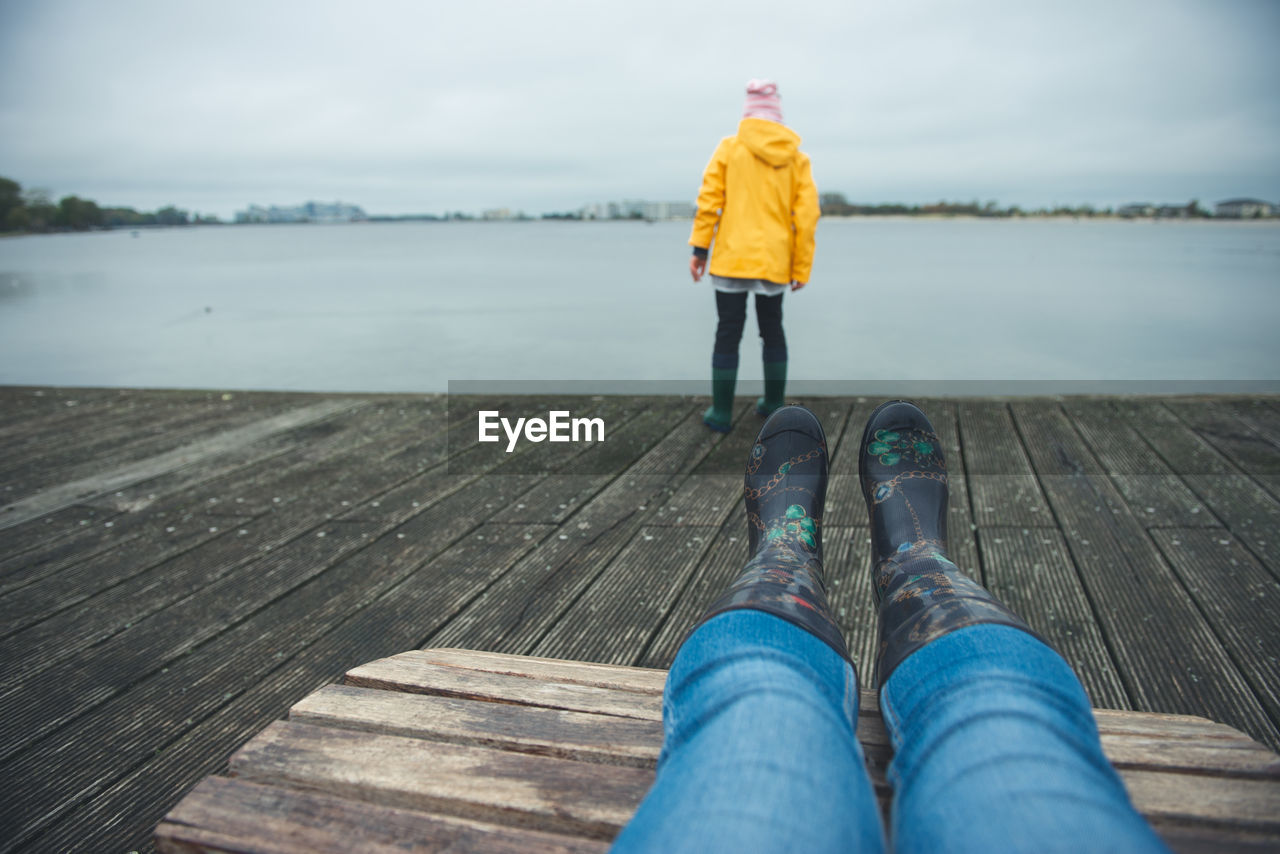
<point>732,310</point>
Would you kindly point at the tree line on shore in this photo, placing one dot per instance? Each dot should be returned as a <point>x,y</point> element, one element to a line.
<point>33,211</point>
<point>835,204</point>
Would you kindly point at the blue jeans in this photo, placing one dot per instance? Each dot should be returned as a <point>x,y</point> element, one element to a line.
<point>995,750</point>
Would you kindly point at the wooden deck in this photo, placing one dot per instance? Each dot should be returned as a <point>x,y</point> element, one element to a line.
<point>455,750</point>
<point>178,568</point>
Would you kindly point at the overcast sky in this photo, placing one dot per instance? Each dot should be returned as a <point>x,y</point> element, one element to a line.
<point>428,106</point>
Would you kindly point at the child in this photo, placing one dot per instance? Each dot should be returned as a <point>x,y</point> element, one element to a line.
<point>760,205</point>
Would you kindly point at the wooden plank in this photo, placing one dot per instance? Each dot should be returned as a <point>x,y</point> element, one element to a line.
<point>1140,739</point>
<point>1236,500</point>
<point>45,410</point>
<point>703,499</point>
<point>846,508</point>
<point>44,615</point>
<point>66,494</point>
<point>1002,485</point>
<point>1237,596</point>
<point>97,533</point>
<point>63,430</point>
<point>1250,513</point>
<point>730,453</point>
<point>563,494</point>
<point>613,740</point>
<point>843,432</point>
<point>719,566</point>
<point>141,450</point>
<point>1184,451</point>
<point>53,532</point>
<point>129,796</point>
<point>1215,839</point>
<point>250,818</point>
<point>845,503</point>
<point>515,613</point>
<point>517,609</point>
<point>1137,596</point>
<point>152,588</point>
<point>212,699</point>
<point>249,482</point>
<point>49,698</point>
<point>614,618</point>
<point>684,446</point>
<point>556,498</point>
<point>640,424</point>
<point>414,676</point>
<point>142,588</point>
<point>1030,570</point>
<point>845,459</point>
<point>281,449</point>
<point>97,781</point>
<point>555,795</point>
<point>1230,435</point>
<point>962,534</point>
<point>503,726</point>
<point>1156,495</point>
<point>1165,725</point>
<point>1204,756</point>
<point>847,561</point>
<point>1241,774</point>
<point>1263,417</point>
<point>126,422</point>
<point>1194,798</point>
<point>643,680</point>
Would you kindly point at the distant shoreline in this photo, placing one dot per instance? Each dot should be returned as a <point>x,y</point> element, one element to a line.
<point>1178,221</point>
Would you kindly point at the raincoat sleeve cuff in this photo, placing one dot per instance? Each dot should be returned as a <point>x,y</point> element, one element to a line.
<point>700,252</point>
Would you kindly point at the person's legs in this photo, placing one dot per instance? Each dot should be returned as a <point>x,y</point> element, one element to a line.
<point>760,705</point>
<point>989,723</point>
<point>731,311</point>
<point>759,751</point>
<point>773,352</point>
<point>996,749</point>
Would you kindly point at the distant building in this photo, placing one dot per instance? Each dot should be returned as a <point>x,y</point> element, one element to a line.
<point>309,212</point>
<point>497,214</point>
<point>1242,208</point>
<point>668,210</point>
<point>1136,209</point>
<point>639,209</point>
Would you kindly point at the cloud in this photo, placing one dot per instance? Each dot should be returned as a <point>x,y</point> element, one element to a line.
<point>403,106</point>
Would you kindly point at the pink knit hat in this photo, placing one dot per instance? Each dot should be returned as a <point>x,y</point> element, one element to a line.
<point>763,101</point>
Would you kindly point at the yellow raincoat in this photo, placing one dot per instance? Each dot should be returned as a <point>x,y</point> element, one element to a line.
<point>759,203</point>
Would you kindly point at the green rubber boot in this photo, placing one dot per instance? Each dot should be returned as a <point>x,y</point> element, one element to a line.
<point>775,386</point>
<point>720,416</point>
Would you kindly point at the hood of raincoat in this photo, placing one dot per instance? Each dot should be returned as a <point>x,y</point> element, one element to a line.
<point>773,143</point>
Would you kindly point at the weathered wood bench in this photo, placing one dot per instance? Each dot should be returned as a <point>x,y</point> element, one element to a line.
<point>444,748</point>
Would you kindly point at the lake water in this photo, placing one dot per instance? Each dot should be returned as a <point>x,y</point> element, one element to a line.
<point>1013,306</point>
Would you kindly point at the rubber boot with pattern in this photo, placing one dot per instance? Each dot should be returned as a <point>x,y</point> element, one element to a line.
<point>785,490</point>
<point>922,595</point>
